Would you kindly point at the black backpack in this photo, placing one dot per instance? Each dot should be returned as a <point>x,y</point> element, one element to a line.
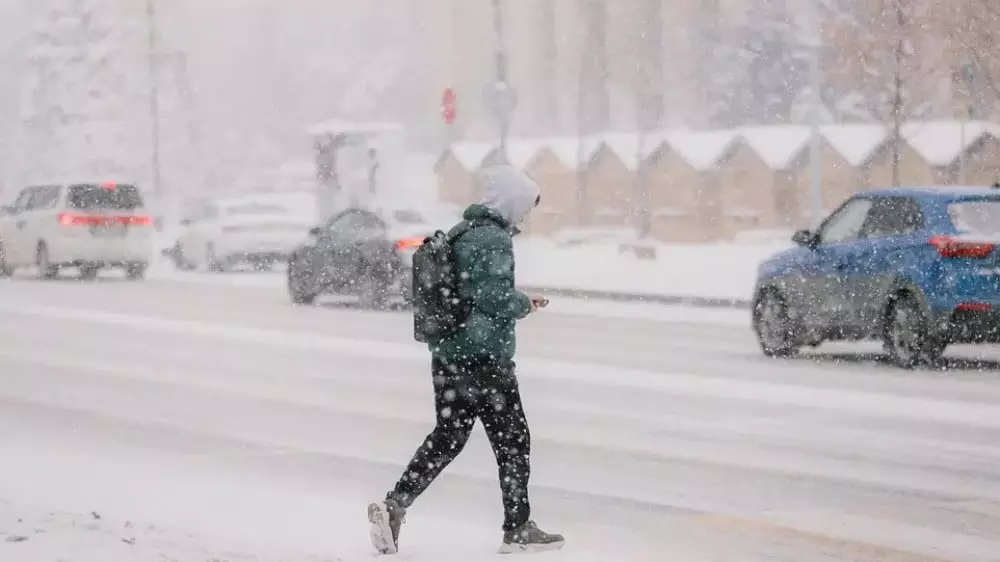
<point>438,310</point>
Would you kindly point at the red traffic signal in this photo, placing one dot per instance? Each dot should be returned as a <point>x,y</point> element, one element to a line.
<point>448,101</point>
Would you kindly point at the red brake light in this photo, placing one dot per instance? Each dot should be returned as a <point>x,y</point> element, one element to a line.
<point>136,220</point>
<point>408,243</point>
<point>72,219</point>
<point>948,247</point>
<point>109,185</point>
<point>974,307</point>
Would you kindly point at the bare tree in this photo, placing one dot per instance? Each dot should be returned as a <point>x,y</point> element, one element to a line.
<point>79,100</point>
<point>973,28</point>
<point>776,63</point>
<point>899,43</point>
<point>891,57</point>
<point>720,71</point>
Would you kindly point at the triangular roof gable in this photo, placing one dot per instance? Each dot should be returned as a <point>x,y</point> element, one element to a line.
<point>977,145</point>
<point>543,154</point>
<point>605,150</point>
<point>441,159</point>
<point>885,149</point>
<point>801,160</point>
<point>566,150</point>
<point>857,143</point>
<point>940,144</point>
<point>625,147</point>
<point>738,145</point>
<point>703,150</point>
<point>778,146</point>
<point>522,152</point>
<point>660,152</point>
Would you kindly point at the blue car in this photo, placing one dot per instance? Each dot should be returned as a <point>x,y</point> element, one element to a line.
<point>917,268</point>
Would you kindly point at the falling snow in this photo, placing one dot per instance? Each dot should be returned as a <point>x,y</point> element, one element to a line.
<point>717,280</point>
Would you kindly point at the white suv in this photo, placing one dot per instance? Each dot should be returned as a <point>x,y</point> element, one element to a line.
<point>254,230</point>
<point>85,225</point>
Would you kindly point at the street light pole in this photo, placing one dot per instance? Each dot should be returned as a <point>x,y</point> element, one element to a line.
<point>969,77</point>
<point>815,103</point>
<point>154,94</point>
<point>501,73</point>
<point>961,149</point>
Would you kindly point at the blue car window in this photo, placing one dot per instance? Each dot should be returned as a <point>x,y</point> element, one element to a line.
<point>846,223</point>
<point>894,216</point>
<point>977,218</point>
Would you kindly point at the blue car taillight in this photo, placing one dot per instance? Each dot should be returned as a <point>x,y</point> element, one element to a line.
<point>950,247</point>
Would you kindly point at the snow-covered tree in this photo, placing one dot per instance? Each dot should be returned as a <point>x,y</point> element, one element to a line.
<point>78,101</point>
<point>775,63</point>
<point>751,70</point>
<point>890,56</point>
<point>974,43</point>
<point>719,73</point>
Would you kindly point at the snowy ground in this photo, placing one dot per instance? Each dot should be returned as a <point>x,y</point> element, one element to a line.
<point>202,422</point>
<point>725,271</point>
<point>692,270</point>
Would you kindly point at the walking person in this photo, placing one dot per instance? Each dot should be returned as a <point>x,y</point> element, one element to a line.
<point>473,368</point>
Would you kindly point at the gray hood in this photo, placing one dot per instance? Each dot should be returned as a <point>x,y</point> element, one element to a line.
<point>508,191</point>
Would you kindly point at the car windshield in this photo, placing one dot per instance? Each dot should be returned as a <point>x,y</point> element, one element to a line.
<point>980,218</point>
<point>120,197</point>
<point>256,209</point>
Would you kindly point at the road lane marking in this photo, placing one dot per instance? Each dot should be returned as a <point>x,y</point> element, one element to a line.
<point>859,402</point>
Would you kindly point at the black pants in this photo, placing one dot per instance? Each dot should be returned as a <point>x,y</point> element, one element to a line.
<point>462,393</point>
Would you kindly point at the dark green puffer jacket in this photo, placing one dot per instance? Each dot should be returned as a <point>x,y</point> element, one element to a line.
<point>485,259</point>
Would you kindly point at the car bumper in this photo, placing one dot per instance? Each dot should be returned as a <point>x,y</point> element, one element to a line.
<point>119,252</point>
<point>250,249</point>
<point>256,255</point>
<point>969,326</point>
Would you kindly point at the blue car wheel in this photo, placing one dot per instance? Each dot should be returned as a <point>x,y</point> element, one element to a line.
<point>773,326</point>
<point>906,337</point>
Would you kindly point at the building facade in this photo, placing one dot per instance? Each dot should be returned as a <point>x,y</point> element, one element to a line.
<point>699,186</point>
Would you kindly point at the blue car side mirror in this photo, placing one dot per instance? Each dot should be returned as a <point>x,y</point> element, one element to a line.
<point>804,238</point>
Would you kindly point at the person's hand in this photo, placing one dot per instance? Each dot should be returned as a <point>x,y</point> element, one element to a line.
<point>538,301</point>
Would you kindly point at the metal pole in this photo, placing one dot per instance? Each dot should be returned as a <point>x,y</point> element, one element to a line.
<point>969,76</point>
<point>816,102</point>
<point>897,92</point>
<point>961,150</point>
<point>501,73</point>
<point>154,95</point>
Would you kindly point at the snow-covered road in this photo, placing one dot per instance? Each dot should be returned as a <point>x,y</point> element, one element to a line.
<point>222,423</point>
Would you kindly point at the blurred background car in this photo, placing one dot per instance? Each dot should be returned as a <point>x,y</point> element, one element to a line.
<point>257,230</point>
<point>88,226</point>
<point>359,252</point>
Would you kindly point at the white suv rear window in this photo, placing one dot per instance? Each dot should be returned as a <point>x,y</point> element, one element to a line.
<point>976,217</point>
<point>120,197</point>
